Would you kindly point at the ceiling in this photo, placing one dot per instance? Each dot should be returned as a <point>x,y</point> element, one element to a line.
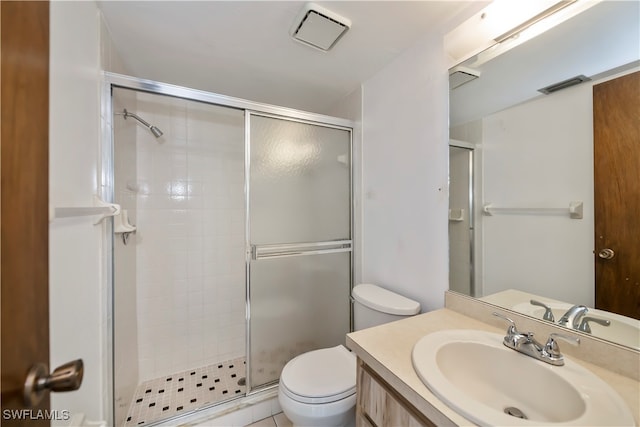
<point>243,48</point>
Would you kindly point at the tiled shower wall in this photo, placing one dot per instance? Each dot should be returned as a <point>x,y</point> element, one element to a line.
<point>190,239</point>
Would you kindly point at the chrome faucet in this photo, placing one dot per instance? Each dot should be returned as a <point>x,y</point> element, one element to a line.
<point>525,343</point>
<point>548,314</point>
<point>572,318</point>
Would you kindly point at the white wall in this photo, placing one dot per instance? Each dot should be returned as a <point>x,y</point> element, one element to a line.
<point>109,58</point>
<point>77,297</point>
<point>405,197</point>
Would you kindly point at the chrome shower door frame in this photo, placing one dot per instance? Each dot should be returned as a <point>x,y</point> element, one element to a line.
<point>470,148</point>
<point>106,191</point>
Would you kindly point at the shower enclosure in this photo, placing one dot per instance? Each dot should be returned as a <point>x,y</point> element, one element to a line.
<point>233,252</point>
<point>461,223</point>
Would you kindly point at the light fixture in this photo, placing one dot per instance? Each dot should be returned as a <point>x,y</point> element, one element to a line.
<point>529,22</point>
<point>318,27</point>
<point>505,24</point>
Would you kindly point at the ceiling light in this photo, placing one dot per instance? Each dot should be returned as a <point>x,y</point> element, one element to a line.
<point>504,22</point>
<point>531,31</point>
<point>318,27</point>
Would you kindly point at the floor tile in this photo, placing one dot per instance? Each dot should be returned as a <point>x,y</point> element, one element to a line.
<point>182,392</point>
<point>266,422</point>
<point>282,420</point>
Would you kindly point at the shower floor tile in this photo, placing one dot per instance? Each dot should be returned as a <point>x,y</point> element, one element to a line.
<point>182,392</point>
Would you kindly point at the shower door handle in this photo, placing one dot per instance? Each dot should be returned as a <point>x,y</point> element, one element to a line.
<point>67,377</point>
<point>296,249</point>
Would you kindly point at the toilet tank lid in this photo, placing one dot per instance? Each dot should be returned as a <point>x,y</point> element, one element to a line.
<point>380,299</point>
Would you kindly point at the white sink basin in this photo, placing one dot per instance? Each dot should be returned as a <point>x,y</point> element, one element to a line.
<point>623,330</point>
<point>481,379</point>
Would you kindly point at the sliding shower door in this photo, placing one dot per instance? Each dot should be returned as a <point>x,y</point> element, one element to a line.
<point>300,240</point>
<point>461,220</point>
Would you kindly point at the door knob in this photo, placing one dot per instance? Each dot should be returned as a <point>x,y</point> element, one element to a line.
<point>606,253</point>
<point>67,377</point>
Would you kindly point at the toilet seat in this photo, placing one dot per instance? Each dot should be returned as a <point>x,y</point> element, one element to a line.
<point>320,376</point>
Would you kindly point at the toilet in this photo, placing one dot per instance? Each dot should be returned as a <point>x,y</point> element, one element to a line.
<point>318,388</point>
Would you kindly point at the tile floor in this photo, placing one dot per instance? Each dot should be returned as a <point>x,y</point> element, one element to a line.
<point>278,420</point>
<point>182,392</point>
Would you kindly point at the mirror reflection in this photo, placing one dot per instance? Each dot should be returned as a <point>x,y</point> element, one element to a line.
<point>545,173</point>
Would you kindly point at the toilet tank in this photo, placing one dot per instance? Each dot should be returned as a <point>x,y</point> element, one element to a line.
<point>374,306</point>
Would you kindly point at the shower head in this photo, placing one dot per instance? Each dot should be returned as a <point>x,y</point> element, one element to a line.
<point>154,130</point>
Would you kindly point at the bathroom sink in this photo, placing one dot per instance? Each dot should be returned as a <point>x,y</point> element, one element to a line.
<point>622,330</point>
<point>489,384</point>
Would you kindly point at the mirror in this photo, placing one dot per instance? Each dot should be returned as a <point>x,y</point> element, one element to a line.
<point>521,220</point>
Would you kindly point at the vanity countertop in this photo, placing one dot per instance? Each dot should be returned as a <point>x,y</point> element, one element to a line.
<point>387,349</point>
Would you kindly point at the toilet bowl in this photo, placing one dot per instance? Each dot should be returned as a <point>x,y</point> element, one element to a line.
<point>318,388</point>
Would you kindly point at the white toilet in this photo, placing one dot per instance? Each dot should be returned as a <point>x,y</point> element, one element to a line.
<point>318,388</point>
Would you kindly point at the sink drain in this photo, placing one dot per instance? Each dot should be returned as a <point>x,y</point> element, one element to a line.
<point>515,412</point>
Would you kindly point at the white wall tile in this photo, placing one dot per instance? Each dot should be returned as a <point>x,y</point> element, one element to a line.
<point>185,250</point>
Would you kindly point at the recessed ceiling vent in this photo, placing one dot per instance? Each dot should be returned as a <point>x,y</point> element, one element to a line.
<point>318,27</point>
<point>460,75</point>
<point>564,84</point>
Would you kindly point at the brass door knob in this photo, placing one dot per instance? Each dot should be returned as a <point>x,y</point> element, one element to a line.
<point>67,377</point>
<point>606,253</point>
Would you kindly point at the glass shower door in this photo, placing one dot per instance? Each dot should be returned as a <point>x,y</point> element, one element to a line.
<point>300,239</point>
<point>461,261</point>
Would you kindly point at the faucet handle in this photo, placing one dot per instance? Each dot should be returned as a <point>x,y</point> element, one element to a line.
<point>551,347</point>
<point>548,314</point>
<point>512,325</point>
<point>567,338</point>
<point>584,323</point>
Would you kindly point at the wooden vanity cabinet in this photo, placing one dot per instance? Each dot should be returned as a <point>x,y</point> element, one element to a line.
<point>379,405</point>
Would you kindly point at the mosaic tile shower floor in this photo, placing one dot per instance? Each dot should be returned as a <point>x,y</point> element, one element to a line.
<point>182,392</point>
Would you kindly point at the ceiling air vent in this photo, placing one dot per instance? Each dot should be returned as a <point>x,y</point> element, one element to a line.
<point>318,27</point>
<point>564,84</point>
<point>461,75</point>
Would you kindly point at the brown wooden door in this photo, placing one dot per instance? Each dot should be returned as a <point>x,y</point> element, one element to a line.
<point>24,224</point>
<point>616,128</point>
